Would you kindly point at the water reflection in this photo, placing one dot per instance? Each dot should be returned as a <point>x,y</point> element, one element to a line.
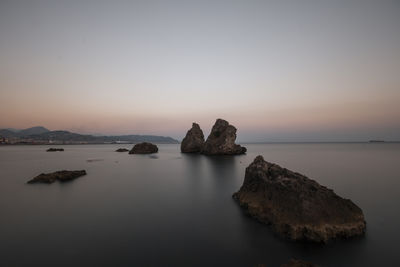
<point>179,207</point>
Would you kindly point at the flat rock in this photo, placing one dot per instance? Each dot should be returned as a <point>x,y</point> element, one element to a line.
<point>193,141</point>
<point>297,207</point>
<point>52,149</point>
<point>221,140</point>
<point>61,176</point>
<point>144,148</point>
<point>122,150</point>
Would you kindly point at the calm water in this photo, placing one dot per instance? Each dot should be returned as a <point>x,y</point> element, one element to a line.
<point>174,209</point>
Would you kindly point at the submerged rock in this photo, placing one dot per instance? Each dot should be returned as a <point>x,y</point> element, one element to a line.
<point>298,263</point>
<point>144,148</point>
<point>221,140</point>
<point>296,206</point>
<point>122,150</point>
<point>52,149</point>
<point>61,176</point>
<point>193,141</point>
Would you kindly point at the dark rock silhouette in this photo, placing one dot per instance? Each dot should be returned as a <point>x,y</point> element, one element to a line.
<point>61,176</point>
<point>221,140</point>
<point>298,263</point>
<point>122,150</point>
<point>297,207</point>
<point>52,149</point>
<point>144,148</point>
<point>193,141</point>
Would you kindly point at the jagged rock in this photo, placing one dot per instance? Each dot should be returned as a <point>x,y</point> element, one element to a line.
<point>298,263</point>
<point>221,140</point>
<point>61,176</point>
<point>193,141</point>
<point>52,149</point>
<point>144,148</point>
<point>296,206</point>
<point>122,150</point>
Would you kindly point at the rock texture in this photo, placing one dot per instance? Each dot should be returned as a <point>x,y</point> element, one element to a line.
<point>61,176</point>
<point>54,149</point>
<point>221,140</point>
<point>298,263</point>
<point>193,141</point>
<point>122,150</point>
<point>144,148</point>
<point>296,206</point>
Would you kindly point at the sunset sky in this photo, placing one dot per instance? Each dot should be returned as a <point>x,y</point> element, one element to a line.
<point>277,70</point>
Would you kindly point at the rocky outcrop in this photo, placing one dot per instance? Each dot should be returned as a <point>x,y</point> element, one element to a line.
<point>221,140</point>
<point>193,141</point>
<point>52,149</point>
<point>298,263</point>
<point>122,150</point>
<point>144,148</point>
<point>296,206</point>
<point>61,176</point>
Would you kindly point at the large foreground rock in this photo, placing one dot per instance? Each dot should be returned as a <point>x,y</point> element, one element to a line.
<point>144,148</point>
<point>61,176</point>
<point>193,141</point>
<point>221,140</point>
<point>296,206</point>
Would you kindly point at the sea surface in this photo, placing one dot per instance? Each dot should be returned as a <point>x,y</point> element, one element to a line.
<point>173,209</point>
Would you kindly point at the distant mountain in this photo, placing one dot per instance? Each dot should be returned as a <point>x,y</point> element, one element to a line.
<point>140,138</point>
<point>33,130</point>
<point>7,133</point>
<point>66,136</point>
<point>41,134</point>
<point>10,132</point>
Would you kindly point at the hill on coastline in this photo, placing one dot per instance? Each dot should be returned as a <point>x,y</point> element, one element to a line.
<point>41,134</point>
<point>9,132</point>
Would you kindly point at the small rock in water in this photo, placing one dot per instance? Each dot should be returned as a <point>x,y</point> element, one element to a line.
<point>297,207</point>
<point>298,263</point>
<point>122,150</point>
<point>144,148</point>
<point>52,149</point>
<point>94,160</point>
<point>61,176</point>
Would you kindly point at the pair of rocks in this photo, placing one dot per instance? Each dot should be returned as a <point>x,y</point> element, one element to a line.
<point>221,140</point>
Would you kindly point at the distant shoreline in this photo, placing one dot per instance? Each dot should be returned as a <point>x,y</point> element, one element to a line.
<point>243,143</point>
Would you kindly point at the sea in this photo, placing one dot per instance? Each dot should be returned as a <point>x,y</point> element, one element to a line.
<point>174,209</point>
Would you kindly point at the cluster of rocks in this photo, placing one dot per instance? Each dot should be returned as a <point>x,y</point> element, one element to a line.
<point>61,176</point>
<point>52,149</point>
<point>297,207</point>
<point>221,140</point>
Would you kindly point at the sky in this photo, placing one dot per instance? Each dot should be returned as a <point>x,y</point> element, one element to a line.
<point>277,70</point>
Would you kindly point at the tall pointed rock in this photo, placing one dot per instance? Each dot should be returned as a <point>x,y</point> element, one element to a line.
<point>221,140</point>
<point>193,141</point>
